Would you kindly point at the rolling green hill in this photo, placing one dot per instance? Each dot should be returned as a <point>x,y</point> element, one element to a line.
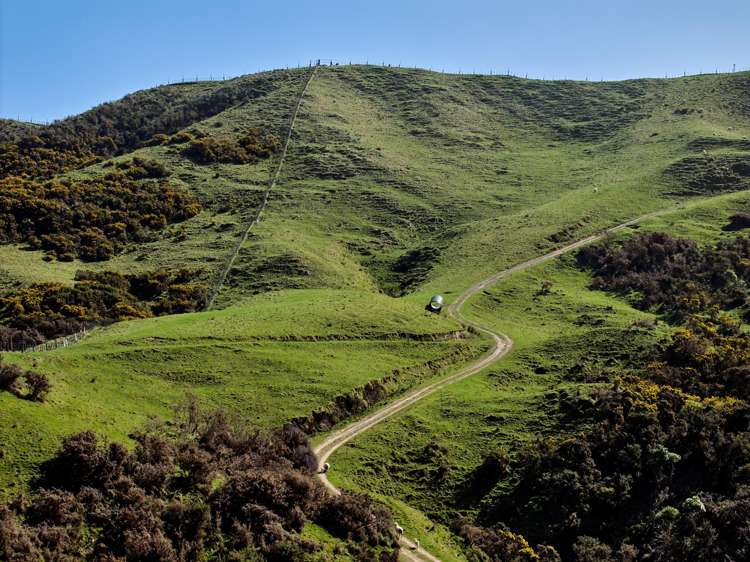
<point>397,184</point>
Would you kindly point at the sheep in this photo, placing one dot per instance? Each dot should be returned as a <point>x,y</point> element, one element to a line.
<point>596,190</point>
<point>416,544</point>
<point>399,529</point>
<point>324,469</point>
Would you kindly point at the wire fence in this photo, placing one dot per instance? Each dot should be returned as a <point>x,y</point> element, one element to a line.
<point>57,343</point>
<point>487,71</point>
<point>229,262</point>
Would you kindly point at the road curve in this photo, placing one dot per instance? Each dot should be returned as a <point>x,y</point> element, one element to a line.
<point>501,346</point>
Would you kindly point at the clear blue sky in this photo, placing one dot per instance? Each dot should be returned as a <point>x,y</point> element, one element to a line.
<point>60,57</point>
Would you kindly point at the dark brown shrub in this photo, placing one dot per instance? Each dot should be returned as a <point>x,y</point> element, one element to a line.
<point>344,515</point>
<point>37,386</point>
<point>13,339</point>
<point>54,507</point>
<point>15,541</point>
<point>9,376</point>
<point>738,221</point>
<point>161,502</point>
<point>284,492</point>
<point>186,522</point>
<point>80,462</point>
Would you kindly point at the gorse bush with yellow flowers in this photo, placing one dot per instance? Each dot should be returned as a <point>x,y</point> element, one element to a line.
<point>42,311</point>
<point>659,466</point>
<point>92,219</point>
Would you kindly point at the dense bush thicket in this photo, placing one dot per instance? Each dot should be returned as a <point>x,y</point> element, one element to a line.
<point>48,310</point>
<point>12,339</point>
<point>248,149</point>
<point>672,275</point>
<point>500,544</point>
<point>12,130</point>
<point>660,470</point>
<point>32,158</point>
<point>708,356</point>
<point>209,491</point>
<point>660,476</point>
<point>95,218</point>
<point>24,384</point>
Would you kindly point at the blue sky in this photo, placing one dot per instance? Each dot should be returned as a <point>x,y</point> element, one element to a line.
<point>59,58</point>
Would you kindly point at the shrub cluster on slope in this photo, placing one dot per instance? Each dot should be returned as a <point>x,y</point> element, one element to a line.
<point>248,149</point>
<point>707,356</point>
<point>660,468</point>
<point>48,310</point>
<point>33,158</point>
<point>91,219</point>
<point>658,473</point>
<point>501,544</point>
<point>12,130</point>
<point>209,492</point>
<point>124,125</point>
<point>661,475</point>
<point>28,385</point>
<point>672,275</point>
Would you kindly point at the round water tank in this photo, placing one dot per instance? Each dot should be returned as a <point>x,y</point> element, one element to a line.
<point>436,302</point>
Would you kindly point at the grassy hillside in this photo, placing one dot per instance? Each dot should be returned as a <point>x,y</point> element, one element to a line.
<point>402,179</point>
<point>267,360</point>
<point>398,184</point>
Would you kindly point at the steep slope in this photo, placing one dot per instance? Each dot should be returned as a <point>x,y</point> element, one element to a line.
<point>418,177</point>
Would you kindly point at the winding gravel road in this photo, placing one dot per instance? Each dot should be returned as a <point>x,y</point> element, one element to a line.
<point>502,345</point>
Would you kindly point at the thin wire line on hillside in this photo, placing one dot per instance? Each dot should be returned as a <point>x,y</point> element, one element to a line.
<point>229,262</point>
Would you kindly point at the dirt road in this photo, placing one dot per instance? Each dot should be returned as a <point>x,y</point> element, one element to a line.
<point>502,344</point>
